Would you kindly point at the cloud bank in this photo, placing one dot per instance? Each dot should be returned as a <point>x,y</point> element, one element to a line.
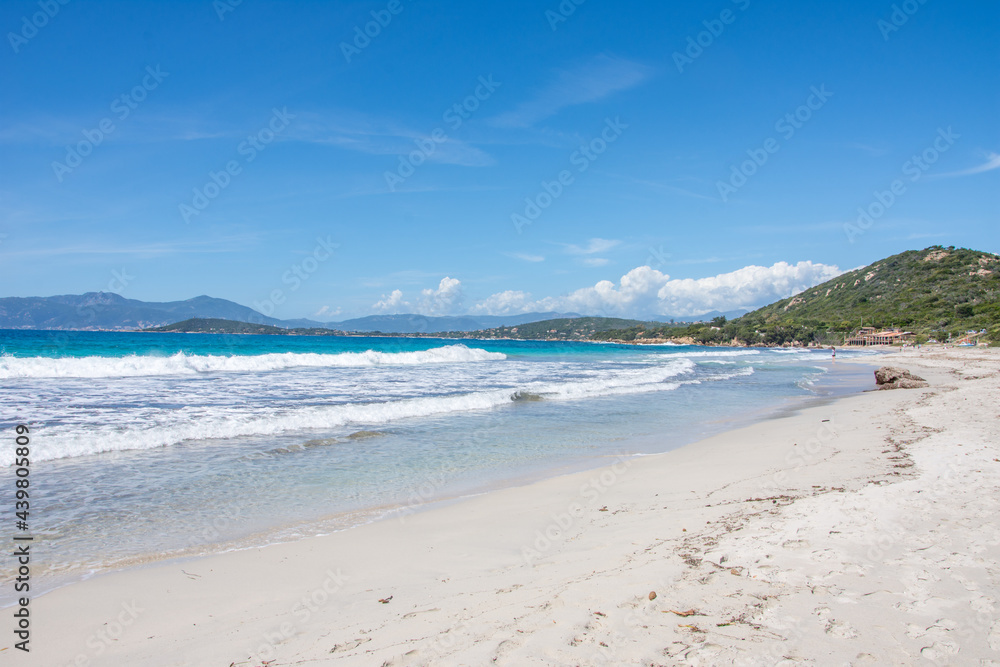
<point>642,292</point>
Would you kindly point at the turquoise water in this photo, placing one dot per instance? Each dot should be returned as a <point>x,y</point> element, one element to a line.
<point>153,445</point>
<point>60,344</point>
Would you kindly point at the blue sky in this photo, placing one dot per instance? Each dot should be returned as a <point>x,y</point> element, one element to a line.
<point>606,158</point>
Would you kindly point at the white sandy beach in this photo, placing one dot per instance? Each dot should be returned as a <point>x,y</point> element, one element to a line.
<point>858,531</point>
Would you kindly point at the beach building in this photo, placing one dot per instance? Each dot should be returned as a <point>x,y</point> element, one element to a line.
<point>866,336</point>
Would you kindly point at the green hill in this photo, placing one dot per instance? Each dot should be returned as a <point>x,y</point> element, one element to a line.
<point>935,289</point>
<point>568,328</point>
<point>932,292</point>
<point>217,325</point>
<point>220,326</point>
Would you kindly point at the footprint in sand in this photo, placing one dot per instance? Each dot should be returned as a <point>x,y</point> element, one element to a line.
<point>841,630</point>
<point>349,646</point>
<point>994,637</point>
<point>422,611</point>
<point>938,651</point>
<point>794,544</point>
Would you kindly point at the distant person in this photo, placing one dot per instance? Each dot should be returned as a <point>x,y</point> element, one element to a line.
<point>834,351</point>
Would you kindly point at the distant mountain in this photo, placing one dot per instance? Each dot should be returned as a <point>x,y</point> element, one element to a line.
<point>107,310</point>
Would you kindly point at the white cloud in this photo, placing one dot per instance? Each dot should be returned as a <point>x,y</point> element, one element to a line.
<point>327,311</point>
<point>749,287</point>
<point>643,292</point>
<point>600,77</point>
<point>525,256</point>
<point>504,303</point>
<point>232,243</point>
<point>380,136</point>
<point>593,247</point>
<point>992,162</point>
<point>874,151</point>
<point>441,301</point>
<point>391,304</point>
<point>444,300</point>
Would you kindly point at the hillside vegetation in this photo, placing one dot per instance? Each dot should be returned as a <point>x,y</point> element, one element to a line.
<point>932,292</point>
<point>221,326</point>
<point>566,328</point>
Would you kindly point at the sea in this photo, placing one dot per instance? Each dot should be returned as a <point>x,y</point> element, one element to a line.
<point>147,446</point>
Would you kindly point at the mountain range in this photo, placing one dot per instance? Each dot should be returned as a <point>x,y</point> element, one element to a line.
<point>107,310</point>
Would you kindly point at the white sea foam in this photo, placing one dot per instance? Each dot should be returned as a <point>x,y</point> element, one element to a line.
<point>184,364</point>
<point>746,371</point>
<point>629,381</point>
<point>720,353</point>
<point>204,423</point>
<point>739,372</point>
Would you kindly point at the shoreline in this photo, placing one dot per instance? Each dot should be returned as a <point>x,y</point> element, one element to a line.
<point>495,565</point>
<point>443,335</point>
<point>827,388</point>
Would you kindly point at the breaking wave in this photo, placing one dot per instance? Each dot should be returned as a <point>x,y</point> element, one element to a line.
<point>184,364</point>
<point>187,424</point>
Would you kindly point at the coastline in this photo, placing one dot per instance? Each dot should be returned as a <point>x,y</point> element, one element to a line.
<point>427,496</point>
<point>539,574</point>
